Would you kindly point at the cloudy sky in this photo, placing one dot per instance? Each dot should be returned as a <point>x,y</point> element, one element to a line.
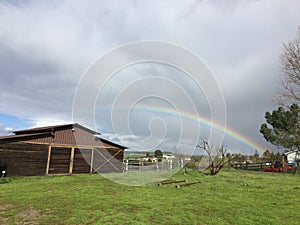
<point>47,48</point>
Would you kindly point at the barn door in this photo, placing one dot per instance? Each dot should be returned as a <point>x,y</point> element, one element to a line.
<point>59,160</point>
<point>82,160</point>
<point>106,161</point>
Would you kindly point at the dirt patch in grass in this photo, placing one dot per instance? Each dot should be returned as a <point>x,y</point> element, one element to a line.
<point>5,207</point>
<point>3,221</point>
<point>29,216</point>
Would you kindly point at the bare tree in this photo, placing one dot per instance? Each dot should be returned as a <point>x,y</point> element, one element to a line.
<point>289,87</point>
<point>216,157</point>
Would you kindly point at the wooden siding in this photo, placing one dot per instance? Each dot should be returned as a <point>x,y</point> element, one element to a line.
<point>81,157</point>
<point>106,161</point>
<point>24,159</point>
<point>59,160</point>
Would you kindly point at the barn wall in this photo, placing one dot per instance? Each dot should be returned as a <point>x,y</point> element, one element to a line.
<point>59,160</point>
<point>106,161</point>
<point>81,157</point>
<point>27,159</point>
<point>24,159</point>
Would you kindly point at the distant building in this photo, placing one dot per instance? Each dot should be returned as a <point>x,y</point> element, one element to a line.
<point>61,149</point>
<point>169,157</point>
<point>292,156</point>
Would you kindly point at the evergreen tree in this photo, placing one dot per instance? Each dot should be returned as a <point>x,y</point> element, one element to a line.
<point>283,128</point>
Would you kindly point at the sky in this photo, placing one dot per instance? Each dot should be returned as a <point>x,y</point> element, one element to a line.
<point>47,49</point>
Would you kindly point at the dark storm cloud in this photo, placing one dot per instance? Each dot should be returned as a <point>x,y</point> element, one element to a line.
<point>47,46</point>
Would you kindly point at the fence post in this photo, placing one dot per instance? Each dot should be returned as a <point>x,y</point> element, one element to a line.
<point>126,165</point>
<point>48,160</point>
<point>92,160</point>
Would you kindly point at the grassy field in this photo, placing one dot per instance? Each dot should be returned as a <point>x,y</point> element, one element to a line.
<point>231,197</point>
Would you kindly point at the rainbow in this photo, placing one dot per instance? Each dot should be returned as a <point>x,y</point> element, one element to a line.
<point>204,121</point>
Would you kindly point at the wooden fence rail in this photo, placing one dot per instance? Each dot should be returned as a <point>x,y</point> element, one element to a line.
<point>252,166</point>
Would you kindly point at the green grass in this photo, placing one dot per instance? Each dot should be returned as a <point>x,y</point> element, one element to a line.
<point>231,197</point>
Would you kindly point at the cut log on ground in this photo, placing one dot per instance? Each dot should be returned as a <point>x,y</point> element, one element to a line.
<point>161,181</point>
<point>171,182</point>
<point>187,184</point>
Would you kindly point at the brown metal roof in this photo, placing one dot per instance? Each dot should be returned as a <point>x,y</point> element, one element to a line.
<point>49,128</point>
<point>66,134</point>
<point>22,136</point>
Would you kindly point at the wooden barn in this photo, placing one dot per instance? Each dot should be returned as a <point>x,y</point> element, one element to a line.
<point>61,149</point>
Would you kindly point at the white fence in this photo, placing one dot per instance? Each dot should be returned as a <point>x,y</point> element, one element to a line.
<point>141,165</point>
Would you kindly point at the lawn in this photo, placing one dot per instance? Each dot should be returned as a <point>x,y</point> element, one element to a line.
<point>231,197</point>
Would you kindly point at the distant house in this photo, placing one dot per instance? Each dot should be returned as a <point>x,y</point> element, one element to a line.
<point>292,156</point>
<point>169,157</point>
<point>60,149</point>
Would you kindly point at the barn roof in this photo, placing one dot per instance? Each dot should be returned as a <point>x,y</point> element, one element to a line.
<point>49,128</point>
<point>22,136</point>
<point>61,134</point>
